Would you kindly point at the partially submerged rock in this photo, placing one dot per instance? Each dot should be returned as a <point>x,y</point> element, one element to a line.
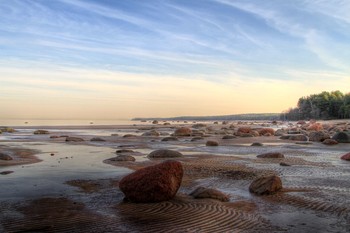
<point>318,136</point>
<point>257,144</point>
<point>96,139</point>
<point>6,172</point>
<point>284,164</point>
<point>74,139</point>
<point>167,139</point>
<point>152,133</point>
<point>164,153</point>
<point>346,157</point>
<point>330,142</point>
<point>202,192</point>
<point>183,131</point>
<point>295,137</point>
<point>212,143</point>
<point>342,137</point>
<point>4,156</point>
<point>266,185</point>
<point>274,155</point>
<point>124,151</point>
<point>41,131</point>
<point>123,158</point>
<point>154,183</point>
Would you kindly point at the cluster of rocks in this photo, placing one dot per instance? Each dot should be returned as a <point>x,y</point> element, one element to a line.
<point>4,129</point>
<point>316,132</point>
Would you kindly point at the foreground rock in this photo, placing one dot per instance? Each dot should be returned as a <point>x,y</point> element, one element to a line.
<point>153,184</point>
<point>202,192</point>
<point>342,137</point>
<point>274,155</point>
<point>346,157</point>
<point>266,185</point>
<point>4,156</point>
<point>74,139</point>
<point>164,153</point>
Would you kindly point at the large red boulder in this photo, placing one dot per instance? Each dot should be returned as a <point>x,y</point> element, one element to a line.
<point>266,185</point>
<point>154,183</point>
<point>346,157</point>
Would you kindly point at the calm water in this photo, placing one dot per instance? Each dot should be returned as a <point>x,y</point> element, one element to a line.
<point>43,122</point>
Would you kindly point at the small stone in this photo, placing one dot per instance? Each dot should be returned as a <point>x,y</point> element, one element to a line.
<point>183,131</point>
<point>97,139</point>
<point>256,144</point>
<point>212,143</point>
<point>229,137</point>
<point>167,139</point>
<point>41,131</point>
<point>284,164</point>
<point>164,153</point>
<point>273,155</point>
<point>74,139</point>
<point>266,185</point>
<point>202,192</point>
<point>124,158</point>
<point>6,172</point>
<point>330,142</point>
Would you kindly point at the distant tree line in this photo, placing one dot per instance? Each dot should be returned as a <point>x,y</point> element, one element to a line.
<point>248,116</point>
<point>326,105</point>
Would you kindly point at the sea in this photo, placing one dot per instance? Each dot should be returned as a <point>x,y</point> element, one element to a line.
<point>65,122</point>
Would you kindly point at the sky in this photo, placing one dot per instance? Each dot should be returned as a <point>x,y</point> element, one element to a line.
<point>118,59</point>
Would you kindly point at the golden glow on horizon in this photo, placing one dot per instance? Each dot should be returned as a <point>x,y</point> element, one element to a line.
<point>109,95</point>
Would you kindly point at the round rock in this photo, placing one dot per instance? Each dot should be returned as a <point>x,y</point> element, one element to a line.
<point>154,183</point>
<point>266,185</point>
<point>164,153</point>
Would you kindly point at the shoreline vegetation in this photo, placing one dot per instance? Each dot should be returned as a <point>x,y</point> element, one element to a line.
<point>323,106</point>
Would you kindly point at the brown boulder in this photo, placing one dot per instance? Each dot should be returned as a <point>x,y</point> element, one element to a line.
<point>41,131</point>
<point>318,136</point>
<point>202,192</point>
<point>266,132</point>
<point>167,139</point>
<point>4,156</point>
<point>212,143</point>
<point>74,139</point>
<point>154,183</point>
<point>274,155</point>
<point>266,185</point>
<point>123,158</point>
<point>315,127</point>
<point>164,153</point>
<point>342,137</point>
<point>295,137</point>
<point>330,142</point>
<point>183,131</point>
<point>257,144</point>
<point>152,133</point>
<point>346,157</point>
<point>97,139</point>
<point>244,130</point>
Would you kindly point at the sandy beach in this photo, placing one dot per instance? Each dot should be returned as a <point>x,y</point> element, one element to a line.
<point>66,178</point>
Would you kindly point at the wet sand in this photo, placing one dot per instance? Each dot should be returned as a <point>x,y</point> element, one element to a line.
<point>75,186</point>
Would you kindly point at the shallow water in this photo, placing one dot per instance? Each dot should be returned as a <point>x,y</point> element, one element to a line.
<point>47,178</point>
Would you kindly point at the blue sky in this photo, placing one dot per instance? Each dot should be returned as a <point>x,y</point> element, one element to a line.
<point>169,57</point>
